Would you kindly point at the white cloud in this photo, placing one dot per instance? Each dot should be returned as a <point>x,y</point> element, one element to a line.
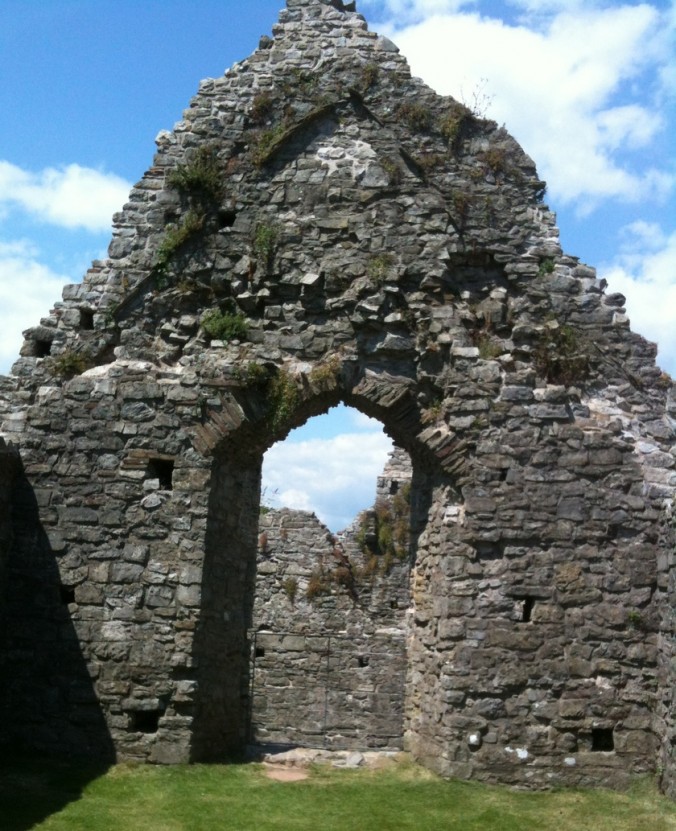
<point>28,289</point>
<point>645,272</point>
<point>575,90</point>
<point>71,196</point>
<point>410,11</point>
<point>335,478</point>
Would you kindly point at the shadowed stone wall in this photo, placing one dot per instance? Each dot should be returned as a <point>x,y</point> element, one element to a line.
<point>321,227</point>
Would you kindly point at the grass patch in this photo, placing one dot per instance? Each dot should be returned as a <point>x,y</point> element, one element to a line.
<point>228,797</point>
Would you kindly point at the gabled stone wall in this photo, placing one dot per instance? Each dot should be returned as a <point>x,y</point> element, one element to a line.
<point>366,241</point>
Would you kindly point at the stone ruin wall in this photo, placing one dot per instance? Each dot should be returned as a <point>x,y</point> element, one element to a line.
<point>383,247</point>
<point>329,617</point>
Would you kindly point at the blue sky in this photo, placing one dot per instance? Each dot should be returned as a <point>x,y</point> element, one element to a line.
<point>586,87</point>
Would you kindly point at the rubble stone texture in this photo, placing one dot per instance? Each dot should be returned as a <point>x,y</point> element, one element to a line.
<point>369,242</point>
<point>329,626</point>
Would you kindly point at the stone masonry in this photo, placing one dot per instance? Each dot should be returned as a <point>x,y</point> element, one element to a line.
<point>321,228</point>
<point>329,621</point>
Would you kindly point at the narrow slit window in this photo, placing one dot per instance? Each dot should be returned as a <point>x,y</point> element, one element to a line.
<point>602,740</point>
<point>259,652</point>
<point>163,471</point>
<point>527,609</point>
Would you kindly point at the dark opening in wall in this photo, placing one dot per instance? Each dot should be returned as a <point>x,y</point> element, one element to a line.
<point>259,652</point>
<point>527,611</point>
<point>42,348</point>
<point>363,660</point>
<point>602,739</point>
<point>394,487</point>
<point>86,319</point>
<point>163,470</point>
<point>67,594</point>
<point>145,721</point>
<point>226,218</point>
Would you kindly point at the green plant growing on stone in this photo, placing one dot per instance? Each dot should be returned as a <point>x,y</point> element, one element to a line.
<point>379,267</point>
<point>319,584</point>
<point>264,143</point>
<point>290,588</point>
<point>452,122</point>
<point>428,162</point>
<point>175,237</point>
<point>368,77</point>
<point>253,374</point>
<point>559,355</point>
<point>388,539</point>
<point>547,266</point>
<point>461,204</point>
<point>635,619</point>
<point>201,178</point>
<point>496,160</point>
<point>261,107</point>
<point>283,399</point>
<point>416,117</point>
<point>224,325</point>
<point>68,364</point>
<point>264,244</point>
<point>392,171</point>
<point>300,82</point>
<point>326,372</point>
<point>432,412</point>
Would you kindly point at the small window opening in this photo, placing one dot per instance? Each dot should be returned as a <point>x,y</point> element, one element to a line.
<point>42,348</point>
<point>86,319</point>
<point>259,652</point>
<point>145,721</point>
<point>602,739</point>
<point>363,660</point>
<point>226,218</point>
<point>504,472</point>
<point>163,470</point>
<point>527,610</point>
<point>67,594</point>
<point>394,488</point>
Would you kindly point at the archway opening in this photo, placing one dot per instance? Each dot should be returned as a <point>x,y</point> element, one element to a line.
<point>328,658</point>
<point>228,643</point>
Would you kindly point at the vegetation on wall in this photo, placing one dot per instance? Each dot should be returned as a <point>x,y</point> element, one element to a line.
<point>384,533</point>
<point>283,399</point>
<point>560,355</point>
<point>201,178</point>
<point>68,364</point>
<point>224,325</point>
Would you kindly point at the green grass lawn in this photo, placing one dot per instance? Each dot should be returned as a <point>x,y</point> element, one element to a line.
<point>54,797</point>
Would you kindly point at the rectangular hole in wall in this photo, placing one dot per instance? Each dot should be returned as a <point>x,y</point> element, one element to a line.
<point>86,319</point>
<point>363,660</point>
<point>527,609</point>
<point>145,721</point>
<point>602,739</point>
<point>42,348</point>
<point>259,652</point>
<point>163,471</point>
<point>67,594</point>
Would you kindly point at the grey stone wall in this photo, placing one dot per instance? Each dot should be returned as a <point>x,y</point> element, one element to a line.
<point>369,242</point>
<point>329,645</point>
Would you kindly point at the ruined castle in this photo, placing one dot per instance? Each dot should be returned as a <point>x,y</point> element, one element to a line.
<point>320,228</point>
